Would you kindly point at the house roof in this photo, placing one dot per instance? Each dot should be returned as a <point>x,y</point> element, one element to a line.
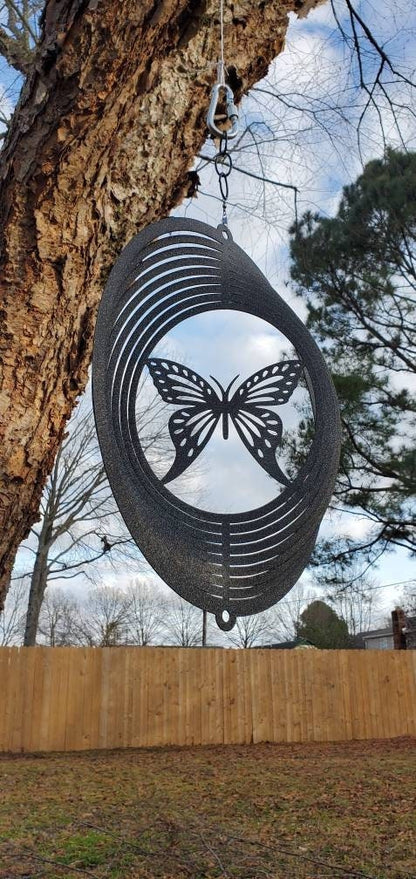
<point>377,633</point>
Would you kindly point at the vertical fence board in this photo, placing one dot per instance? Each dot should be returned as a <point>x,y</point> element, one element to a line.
<point>218,692</point>
<point>392,715</point>
<point>104,695</point>
<point>403,691</point>
<point>82,698</point>
<point>16,695</point>
<point>264,684</point>
<point>46,712</point>
<point>355,669</point>
<point>301,697</point>
<point>28,700</point>
<point>335,701</point>
<point>58,704</point>
<point>210,698</point>
<point>246,701</point>
<point>386,681</point>
<point>225,699</point>
<point>296,696</point>
<point>256,697</point>
<point>345,687</point>
<point>382,693</point>
<point>408,673</point>
<point>136,686</point>
<point>144,700</point>
<point>198,697</point>
<point>367,696</point>
<point>189,698</point>
<point>181,718</point>
<point>278,702</point>
<point>95,695</point>
<point>75,702</point>
<point>174,710</point>
<point>318,696</point>
<point>4,697</point>
<point>236,734</point>
<point>154,699</point>
<point>34,741</point>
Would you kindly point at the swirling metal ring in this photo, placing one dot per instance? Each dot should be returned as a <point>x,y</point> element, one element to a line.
<point>229,564</point>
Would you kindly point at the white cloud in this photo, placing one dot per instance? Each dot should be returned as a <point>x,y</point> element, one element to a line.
<point>317,155</point>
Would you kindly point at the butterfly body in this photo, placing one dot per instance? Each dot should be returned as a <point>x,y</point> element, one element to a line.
<point>201,409</point>
<point>226,406</point>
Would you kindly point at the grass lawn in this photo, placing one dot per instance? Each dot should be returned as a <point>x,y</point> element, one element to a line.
<point>239,812</point>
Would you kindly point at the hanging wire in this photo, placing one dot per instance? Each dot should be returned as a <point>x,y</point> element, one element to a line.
<point>222,160</point>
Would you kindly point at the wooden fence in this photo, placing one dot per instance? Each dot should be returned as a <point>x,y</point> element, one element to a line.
<point>71,699</point>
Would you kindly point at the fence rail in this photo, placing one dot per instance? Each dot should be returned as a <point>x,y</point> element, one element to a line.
<point>71,699</point>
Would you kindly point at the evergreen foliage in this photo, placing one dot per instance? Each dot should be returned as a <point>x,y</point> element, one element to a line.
<point>322,627</point>
<point>357,274</point>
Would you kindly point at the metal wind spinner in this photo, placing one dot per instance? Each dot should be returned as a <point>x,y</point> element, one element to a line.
<point>229,564</point>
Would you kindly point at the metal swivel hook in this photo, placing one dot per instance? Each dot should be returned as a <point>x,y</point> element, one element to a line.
<point>231,109</point>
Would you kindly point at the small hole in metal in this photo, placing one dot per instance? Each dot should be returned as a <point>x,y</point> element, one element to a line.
<point>225,616</point>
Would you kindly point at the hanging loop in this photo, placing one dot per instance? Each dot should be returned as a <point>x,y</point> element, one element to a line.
<point>231,110</point>
<point>223,184</point>
<point>223,164</point>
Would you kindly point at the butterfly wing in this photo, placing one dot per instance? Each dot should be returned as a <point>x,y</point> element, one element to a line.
<point>259,428</point>
<point>180,385</point>
<point>191,427</point>
<point>271,386</point>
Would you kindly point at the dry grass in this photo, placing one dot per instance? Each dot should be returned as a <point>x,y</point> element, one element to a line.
<point>244,812</point>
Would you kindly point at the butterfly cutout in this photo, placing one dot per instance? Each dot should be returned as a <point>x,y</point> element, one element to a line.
<point>201,408</point>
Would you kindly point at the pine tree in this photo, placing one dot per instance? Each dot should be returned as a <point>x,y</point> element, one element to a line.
<point>357,273</point>
<point>322,627</point>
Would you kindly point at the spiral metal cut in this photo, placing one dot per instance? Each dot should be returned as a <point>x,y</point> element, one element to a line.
<point>230,564</point>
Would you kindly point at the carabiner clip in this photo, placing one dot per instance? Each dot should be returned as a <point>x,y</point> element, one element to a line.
<point>232,112</point>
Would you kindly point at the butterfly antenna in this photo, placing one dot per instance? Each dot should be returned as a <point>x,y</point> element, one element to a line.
<point>218,385</point>
<point>226,391</point>
<point>231,384</point>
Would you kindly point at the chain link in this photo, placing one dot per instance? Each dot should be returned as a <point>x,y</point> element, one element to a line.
<point>223,164</point>
<point>221,92</point>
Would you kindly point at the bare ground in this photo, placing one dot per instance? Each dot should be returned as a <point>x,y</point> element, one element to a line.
<point>240,812</point>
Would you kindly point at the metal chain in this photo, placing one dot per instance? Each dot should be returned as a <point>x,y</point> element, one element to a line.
<point>222,160</point>
<point>223,164</point>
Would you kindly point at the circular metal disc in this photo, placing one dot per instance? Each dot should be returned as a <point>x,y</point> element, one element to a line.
<point>229,564</point>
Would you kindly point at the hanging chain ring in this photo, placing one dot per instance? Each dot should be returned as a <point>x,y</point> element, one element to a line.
<point>223,165</point>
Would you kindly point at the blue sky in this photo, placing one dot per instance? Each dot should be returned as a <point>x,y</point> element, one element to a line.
<point>319,162</point>
<point>318,154</point>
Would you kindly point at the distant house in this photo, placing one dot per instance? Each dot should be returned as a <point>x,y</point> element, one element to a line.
<point>377,639</point>
<point>401,635</point>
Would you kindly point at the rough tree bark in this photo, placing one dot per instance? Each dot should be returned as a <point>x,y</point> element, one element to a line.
<point>106,128</point>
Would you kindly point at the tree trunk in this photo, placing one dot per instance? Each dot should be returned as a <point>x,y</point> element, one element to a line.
<point>38,585</point>
<point>105,131</point>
